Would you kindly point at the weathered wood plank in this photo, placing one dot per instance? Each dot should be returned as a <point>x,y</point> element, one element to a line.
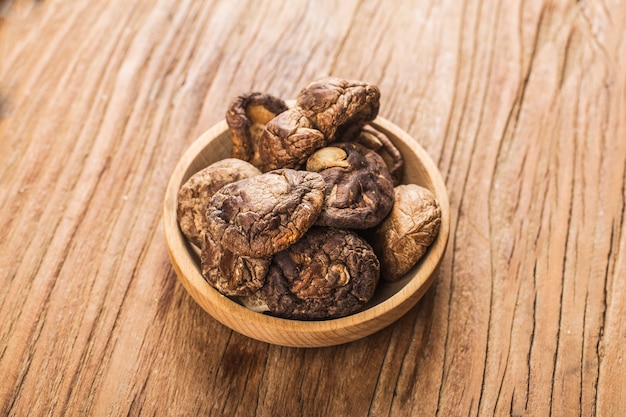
<point>522,105</point>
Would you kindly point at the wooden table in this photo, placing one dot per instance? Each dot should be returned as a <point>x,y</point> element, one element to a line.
<point>521,104</point>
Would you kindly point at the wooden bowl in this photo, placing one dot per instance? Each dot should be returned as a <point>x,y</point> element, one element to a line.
<point>391,300</point>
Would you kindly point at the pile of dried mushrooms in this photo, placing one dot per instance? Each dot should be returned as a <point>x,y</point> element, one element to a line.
<point>309,212</point>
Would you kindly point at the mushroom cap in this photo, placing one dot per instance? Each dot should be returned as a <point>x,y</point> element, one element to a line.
<point>288,140</point>
<point>194,195</point>
<point>359,189</point>
<point>231,274</point>
<point>377,140</point>
<point>405,235</point>
<point>265,214</point>
<point>246,117</point>
<point>329,273</point>
<point>337,107</point>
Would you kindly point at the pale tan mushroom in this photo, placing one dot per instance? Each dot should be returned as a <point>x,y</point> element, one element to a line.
<point>328,157</point>
<point>405,235</point>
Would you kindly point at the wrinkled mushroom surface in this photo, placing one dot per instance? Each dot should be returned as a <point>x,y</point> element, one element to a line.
<point>329,273</point>
<point>246,117</point>
<point>374,139</point>
<point>277,238</point>
<point>194,195</point>
<point>262,215</point>
<point>405,235</point>
<point>339,108</point>
<point>288,140</point>
<point>359,188</point>
<point>231,274</point>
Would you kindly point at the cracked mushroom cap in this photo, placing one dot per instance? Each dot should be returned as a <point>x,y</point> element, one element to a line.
<point>231,274</point>
<point>329,273</point>
<point>265,214</point>
<point>288,140</point>
<point>404,236</point>
<point>359,188</point>
<point>246,117</point>
<point>194,195</point>
<point>339,108</point>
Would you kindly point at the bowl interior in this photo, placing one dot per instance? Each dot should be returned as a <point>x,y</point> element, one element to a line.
<point>390,301</point>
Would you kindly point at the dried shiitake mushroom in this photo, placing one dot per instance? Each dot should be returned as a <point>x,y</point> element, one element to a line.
<point>231,274</point>
<point>339,108</point>
<point>359,188</point>
<point>195,193</point>
<point>329,273</point>
<point>246,117</point>
<point>262,215</point>
<point>325,110</point>
<point>375,139</point>
<point>405,235</point>
<point>288,140</point>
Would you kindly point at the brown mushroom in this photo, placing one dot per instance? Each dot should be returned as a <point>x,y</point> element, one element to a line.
<point>265,214</point>
<point>405,235</point>
<point>231,274</point>
<point>329,273</point>
<point>246,117</point>
<point>339,108</point>
<point>377,140</point>
<point>359,188</point>
<point>195,194</point>
<point>288,140</point>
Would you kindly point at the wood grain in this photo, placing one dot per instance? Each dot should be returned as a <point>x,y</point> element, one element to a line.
<point>522,105</point>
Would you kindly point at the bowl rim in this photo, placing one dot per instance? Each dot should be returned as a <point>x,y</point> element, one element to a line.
<point>404,299</point>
